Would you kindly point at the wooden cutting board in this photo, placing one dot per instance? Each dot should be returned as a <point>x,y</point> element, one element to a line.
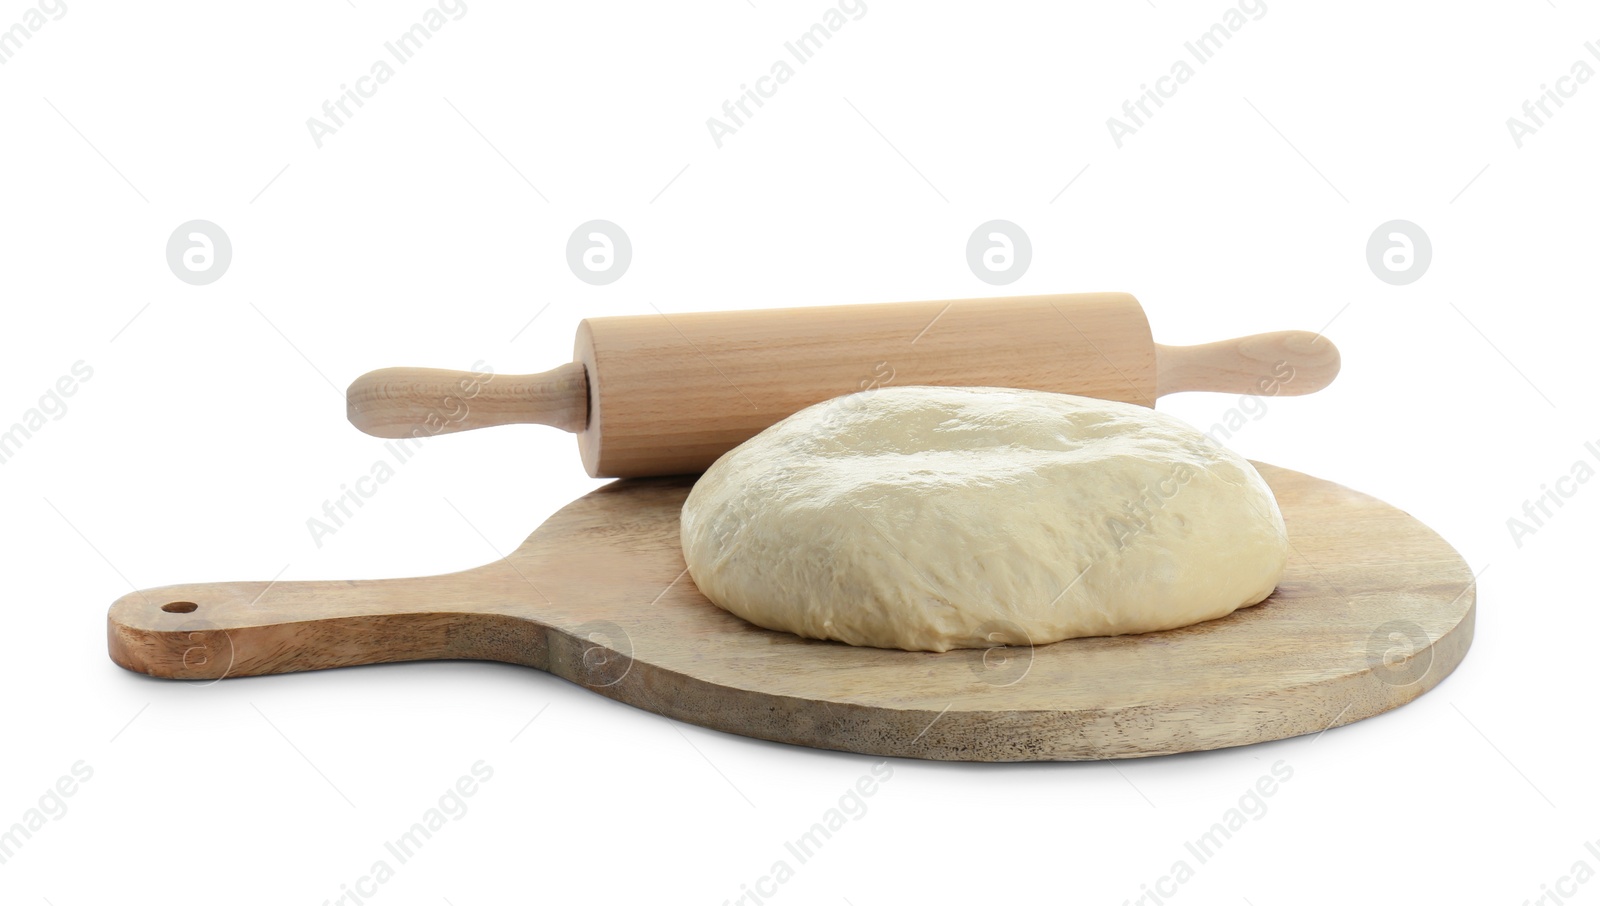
<point>1375,609</point>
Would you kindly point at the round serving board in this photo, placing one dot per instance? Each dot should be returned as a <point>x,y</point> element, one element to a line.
<point>1375,609</point>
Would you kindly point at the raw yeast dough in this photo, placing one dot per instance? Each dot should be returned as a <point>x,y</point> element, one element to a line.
<point>932,518</point>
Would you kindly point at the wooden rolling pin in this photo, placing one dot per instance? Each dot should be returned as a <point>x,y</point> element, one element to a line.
<point>668,394</point>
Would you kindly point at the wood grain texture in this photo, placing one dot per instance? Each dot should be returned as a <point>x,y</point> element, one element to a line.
<point>421,402</point>
<point>1281,363</point>
<point>668,394</point>
<point>664,394</point>
<point>1375,609</point>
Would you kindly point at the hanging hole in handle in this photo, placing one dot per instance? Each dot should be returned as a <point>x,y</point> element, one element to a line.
<point>180,607</point>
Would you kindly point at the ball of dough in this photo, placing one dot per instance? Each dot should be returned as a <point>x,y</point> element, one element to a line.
<point>932,518</point>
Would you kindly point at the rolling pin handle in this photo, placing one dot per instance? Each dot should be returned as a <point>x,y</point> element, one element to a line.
<point>422,402</point>
<point>1283,363</point>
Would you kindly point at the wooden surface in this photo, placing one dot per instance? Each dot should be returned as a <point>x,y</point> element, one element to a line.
<point>420,402</point>
<point>1374,610</point>
<point>1282,363</point>
<point>668,394</point>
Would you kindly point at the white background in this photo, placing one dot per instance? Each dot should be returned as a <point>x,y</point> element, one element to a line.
<point>213,425</point>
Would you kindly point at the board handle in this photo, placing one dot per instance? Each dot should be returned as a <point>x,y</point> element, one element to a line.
<point>421,402</point>
<point>209,631</point>
<point>1282,363</point>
